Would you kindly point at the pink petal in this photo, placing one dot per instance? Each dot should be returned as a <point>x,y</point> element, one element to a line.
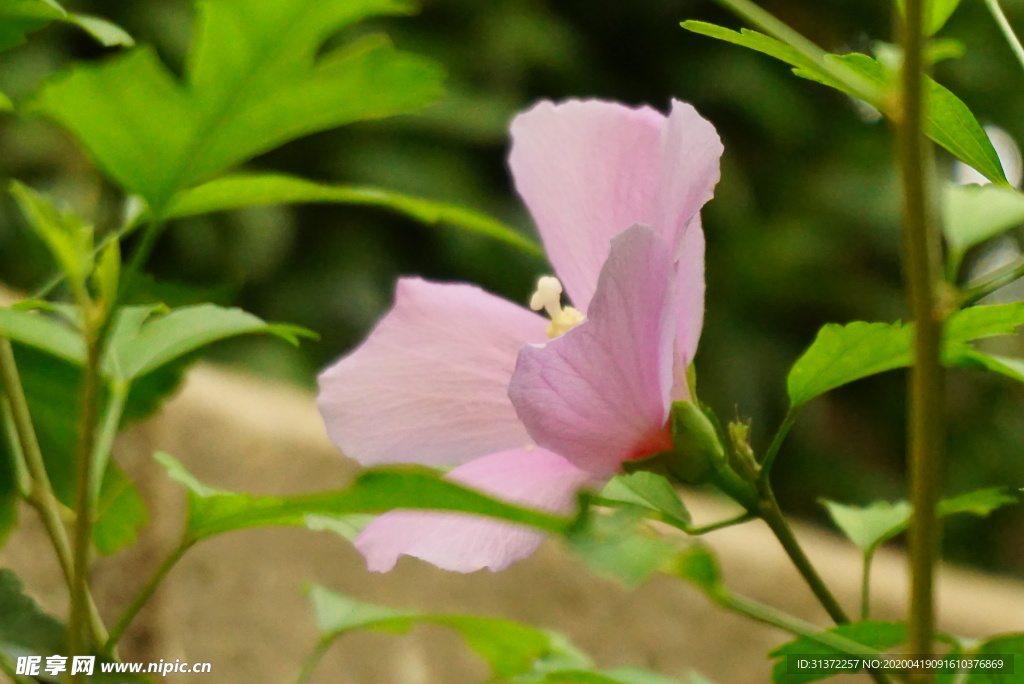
<point>429,385</point>
<point>690,293</point>
<point>599,394</point>
<point>589,170</point>
<point>464,543</point>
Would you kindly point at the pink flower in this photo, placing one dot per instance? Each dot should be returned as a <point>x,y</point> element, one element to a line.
<point>531,410</point>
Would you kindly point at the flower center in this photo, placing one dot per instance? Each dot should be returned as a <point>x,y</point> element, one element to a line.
<point>549,297</point>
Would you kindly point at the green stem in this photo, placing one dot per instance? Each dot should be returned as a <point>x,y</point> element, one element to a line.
<point>780,437</point>
<point>85,502</point>
<point>990,282</point>
<point>311,662</point>
<point>150,236</point>
<point>145,594</point>
<point>921,264</point>
<point>865,585</point>
<point>713,527</point>
<point>771,513</point>
<point>1004,26</point>
<point>40,495</point>
<point>778,29</point>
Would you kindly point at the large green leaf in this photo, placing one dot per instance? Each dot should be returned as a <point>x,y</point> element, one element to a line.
<point>161,339</point>
<point>510,648</point>
<point>377,490</point>
<point>869,526</point>
<point>841,354</point>
<point>19,17</point>
<point>973,214</point>
<point>256,78</point>
<point>245,190</point>
<point>950,123</point>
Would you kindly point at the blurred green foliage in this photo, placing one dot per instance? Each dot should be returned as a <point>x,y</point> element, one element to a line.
<point>803,231</point>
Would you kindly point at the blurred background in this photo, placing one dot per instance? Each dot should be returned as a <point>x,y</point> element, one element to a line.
<point>803,230</point>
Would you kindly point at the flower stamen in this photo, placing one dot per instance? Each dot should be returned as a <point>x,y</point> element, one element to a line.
<point>549,298</point>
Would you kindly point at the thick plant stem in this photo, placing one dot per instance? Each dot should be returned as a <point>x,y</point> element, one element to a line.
<point>85,501</point>
<point>772,515</point>
<point>1004,26</point>
<point>921,272</point>
<point>144,595</point>
<point>40,492</point>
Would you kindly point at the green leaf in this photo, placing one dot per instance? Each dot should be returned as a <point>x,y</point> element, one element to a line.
<point>870,526</point>
<point>841,354</point>
<point>950,123</point>
<point>619,546</point>
<point>698,564</point>
<point>68,237</point>
<point>650,491</point>
<point>121,513</point>
<point>376,490</point>
<point>618,676</point>
<point>940,11</point>
<point>508,647</point>
<point>26,630</point>
<point>256,78</point>
<point>19,17</point>
<point>972,358</point>
<point>43,332</point>
<point>973,214</point>
<point>164,338</point>
<point>1004,644</point>
<point>873,635</point>
<point>246,190</point>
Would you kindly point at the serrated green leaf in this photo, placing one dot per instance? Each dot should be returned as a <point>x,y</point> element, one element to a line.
<point>376,490</point>
<point>871,525</point>
<point>255,79</point>
<point>873,635</point>
<point>508,647</point>
<point>649,490</point>
<point>951,123</point>
<point>841,354</point>
<point>246,190</point>
<point>26,630</point>
<point>973,214</point>
<point>164,338</point>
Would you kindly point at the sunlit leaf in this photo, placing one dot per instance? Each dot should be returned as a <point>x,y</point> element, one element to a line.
<point>973,214</point>
<point>950,123</point>
<point>872,525</point>
<point>841,354</point>
<point>20,17</point>
<point>256,78</point>
<point>649,490</point>
<point>377,490</point>
<point>238,191</point>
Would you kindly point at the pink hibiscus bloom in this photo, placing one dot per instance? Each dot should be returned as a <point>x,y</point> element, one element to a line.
<point>531,410</point>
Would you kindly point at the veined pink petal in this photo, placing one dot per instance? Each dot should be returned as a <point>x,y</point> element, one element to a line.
<point>429,385</point>
<point>690,294</point>
<point>586,171</point>
<point>465,543</point>
<point>589,170</point>
<point>599,394</point>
